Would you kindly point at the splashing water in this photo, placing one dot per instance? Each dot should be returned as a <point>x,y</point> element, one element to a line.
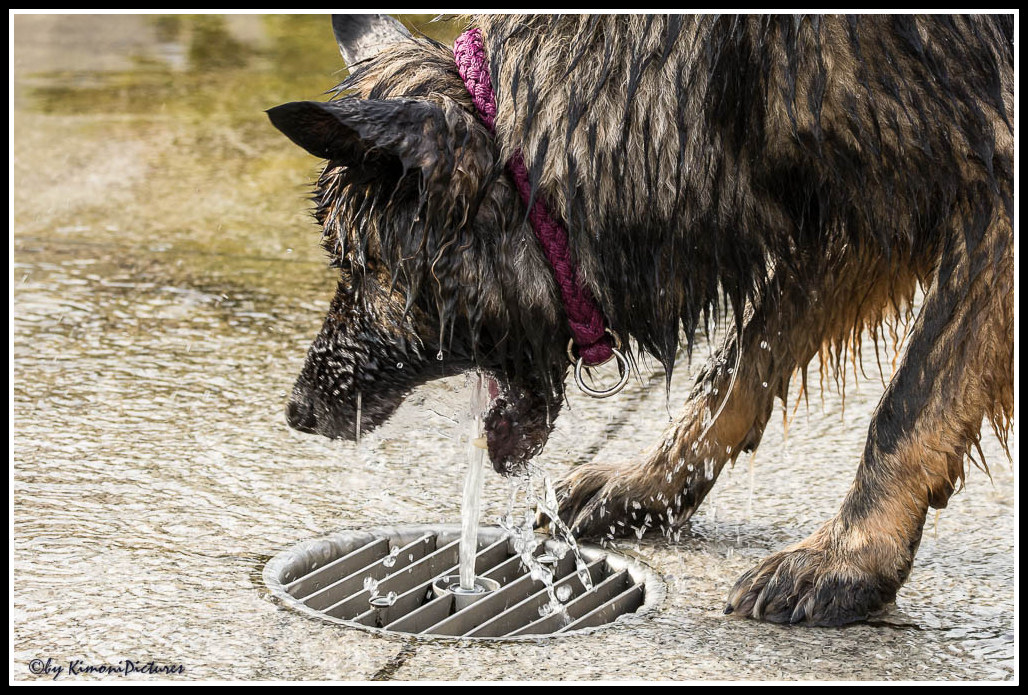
<point>520,525</point>
<point>549,506</point>
<point>471,505</point>
<point>377,601</point>
<point>525,543</point>
<point>540,496</point>
<point>390,560</point>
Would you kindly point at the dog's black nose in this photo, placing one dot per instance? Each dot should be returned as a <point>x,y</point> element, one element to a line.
<point>300,416</point>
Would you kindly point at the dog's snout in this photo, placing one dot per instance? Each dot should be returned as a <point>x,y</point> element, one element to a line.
<point>300,416</point>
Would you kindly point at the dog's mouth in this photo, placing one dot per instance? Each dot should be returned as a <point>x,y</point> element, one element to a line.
<point>517,419</point>
<point>517,423</point>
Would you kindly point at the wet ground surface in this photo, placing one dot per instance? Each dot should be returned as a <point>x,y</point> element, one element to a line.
<point>166,283</point>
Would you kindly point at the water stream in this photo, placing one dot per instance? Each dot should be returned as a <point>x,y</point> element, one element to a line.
<point>471,502</point>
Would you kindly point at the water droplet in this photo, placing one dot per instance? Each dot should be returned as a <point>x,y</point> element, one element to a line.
<point>764,345</point>
<point>439,355</point>
<point>399,365</point>
<point>564,592</point>
<point>371,585</point>
<point>383,601</point>
<point>764,384</point>
<point>540,574</point>
<point>583,574</point>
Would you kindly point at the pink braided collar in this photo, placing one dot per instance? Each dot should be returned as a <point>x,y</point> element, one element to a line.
<point>585,319</point>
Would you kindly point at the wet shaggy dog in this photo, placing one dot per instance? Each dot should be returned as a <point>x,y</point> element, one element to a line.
<point>807,173</point>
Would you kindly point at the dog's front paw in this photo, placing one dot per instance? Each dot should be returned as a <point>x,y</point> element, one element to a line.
<point>603,499</point>
<point>816,586</point>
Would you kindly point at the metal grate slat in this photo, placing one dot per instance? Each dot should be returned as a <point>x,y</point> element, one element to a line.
<point>412,599</point>
<point>323,576</point>
<point>508,570</point>
<point>437,609</point>
<point>424,569</point>
<point>574,609</point>
<point>413,552</point>
<point>465,621</point>
<point>527,610</point>
<point>625,602</point>
<point>334,578</point>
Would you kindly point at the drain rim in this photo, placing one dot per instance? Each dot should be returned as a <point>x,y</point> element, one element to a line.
<point>654,586</point>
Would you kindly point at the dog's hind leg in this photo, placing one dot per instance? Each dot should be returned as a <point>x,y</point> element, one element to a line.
<point>957,370</point>
<point>729,408</point>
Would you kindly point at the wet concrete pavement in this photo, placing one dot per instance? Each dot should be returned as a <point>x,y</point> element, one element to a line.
<point>166,283</point>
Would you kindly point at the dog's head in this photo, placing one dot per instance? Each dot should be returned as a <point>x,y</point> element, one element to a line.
<point>439,271</point>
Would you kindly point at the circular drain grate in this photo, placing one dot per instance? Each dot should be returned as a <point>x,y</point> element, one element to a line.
<point>344,579</point>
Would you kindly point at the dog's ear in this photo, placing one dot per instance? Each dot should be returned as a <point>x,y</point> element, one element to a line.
<point>372,134</point>
<point>362,36</point>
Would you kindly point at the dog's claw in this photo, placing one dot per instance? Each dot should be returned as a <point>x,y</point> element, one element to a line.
<point>812,586</point>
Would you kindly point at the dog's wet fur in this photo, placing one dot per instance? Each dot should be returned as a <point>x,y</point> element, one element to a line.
<point>802,175</point>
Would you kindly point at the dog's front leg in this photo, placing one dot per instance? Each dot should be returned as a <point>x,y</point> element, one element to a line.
<point>725,415</point>
<point>792,320</point>
<point>957,370</point>
<point>666,484</point>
